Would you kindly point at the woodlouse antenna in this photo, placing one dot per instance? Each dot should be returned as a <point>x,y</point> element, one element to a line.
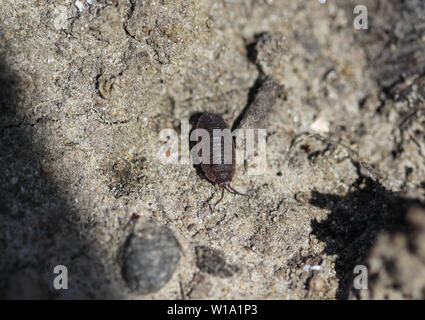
<point>231,190</point>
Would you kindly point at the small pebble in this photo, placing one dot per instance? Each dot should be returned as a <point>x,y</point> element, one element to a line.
<point>320,126</point>
<point>79,5</point>
<point>316,284</point>
<point>308,268</point>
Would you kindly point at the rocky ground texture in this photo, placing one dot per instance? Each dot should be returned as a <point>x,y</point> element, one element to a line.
<point>87,86</point>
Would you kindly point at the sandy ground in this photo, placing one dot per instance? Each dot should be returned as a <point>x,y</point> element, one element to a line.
<point>87,86</point>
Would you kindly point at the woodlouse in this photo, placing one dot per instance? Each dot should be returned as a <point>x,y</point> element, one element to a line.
<point>217,170</point>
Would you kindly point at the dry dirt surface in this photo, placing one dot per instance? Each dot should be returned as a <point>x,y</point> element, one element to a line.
<point>86,87</point>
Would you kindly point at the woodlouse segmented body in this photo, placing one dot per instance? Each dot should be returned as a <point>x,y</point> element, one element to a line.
<point>218,170</point>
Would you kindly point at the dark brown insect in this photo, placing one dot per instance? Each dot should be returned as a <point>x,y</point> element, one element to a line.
<point>217,170</point>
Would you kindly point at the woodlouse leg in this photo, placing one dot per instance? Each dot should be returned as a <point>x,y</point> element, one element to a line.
<point>209,199</point>
<point>221,198</point>
<point>231,190</point>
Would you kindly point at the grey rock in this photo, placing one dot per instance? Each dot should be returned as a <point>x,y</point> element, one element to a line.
<point>150,258</point>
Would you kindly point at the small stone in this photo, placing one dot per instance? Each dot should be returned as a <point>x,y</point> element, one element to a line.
<point>210,23</point>
<point>316,283</point>
<point>79,5</point>
<point>150,258</point>
<point>320,126</point>
<point>303,197</point>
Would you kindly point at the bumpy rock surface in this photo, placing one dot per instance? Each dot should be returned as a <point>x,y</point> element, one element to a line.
<point>87,86</point>
<point>150,257</point>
